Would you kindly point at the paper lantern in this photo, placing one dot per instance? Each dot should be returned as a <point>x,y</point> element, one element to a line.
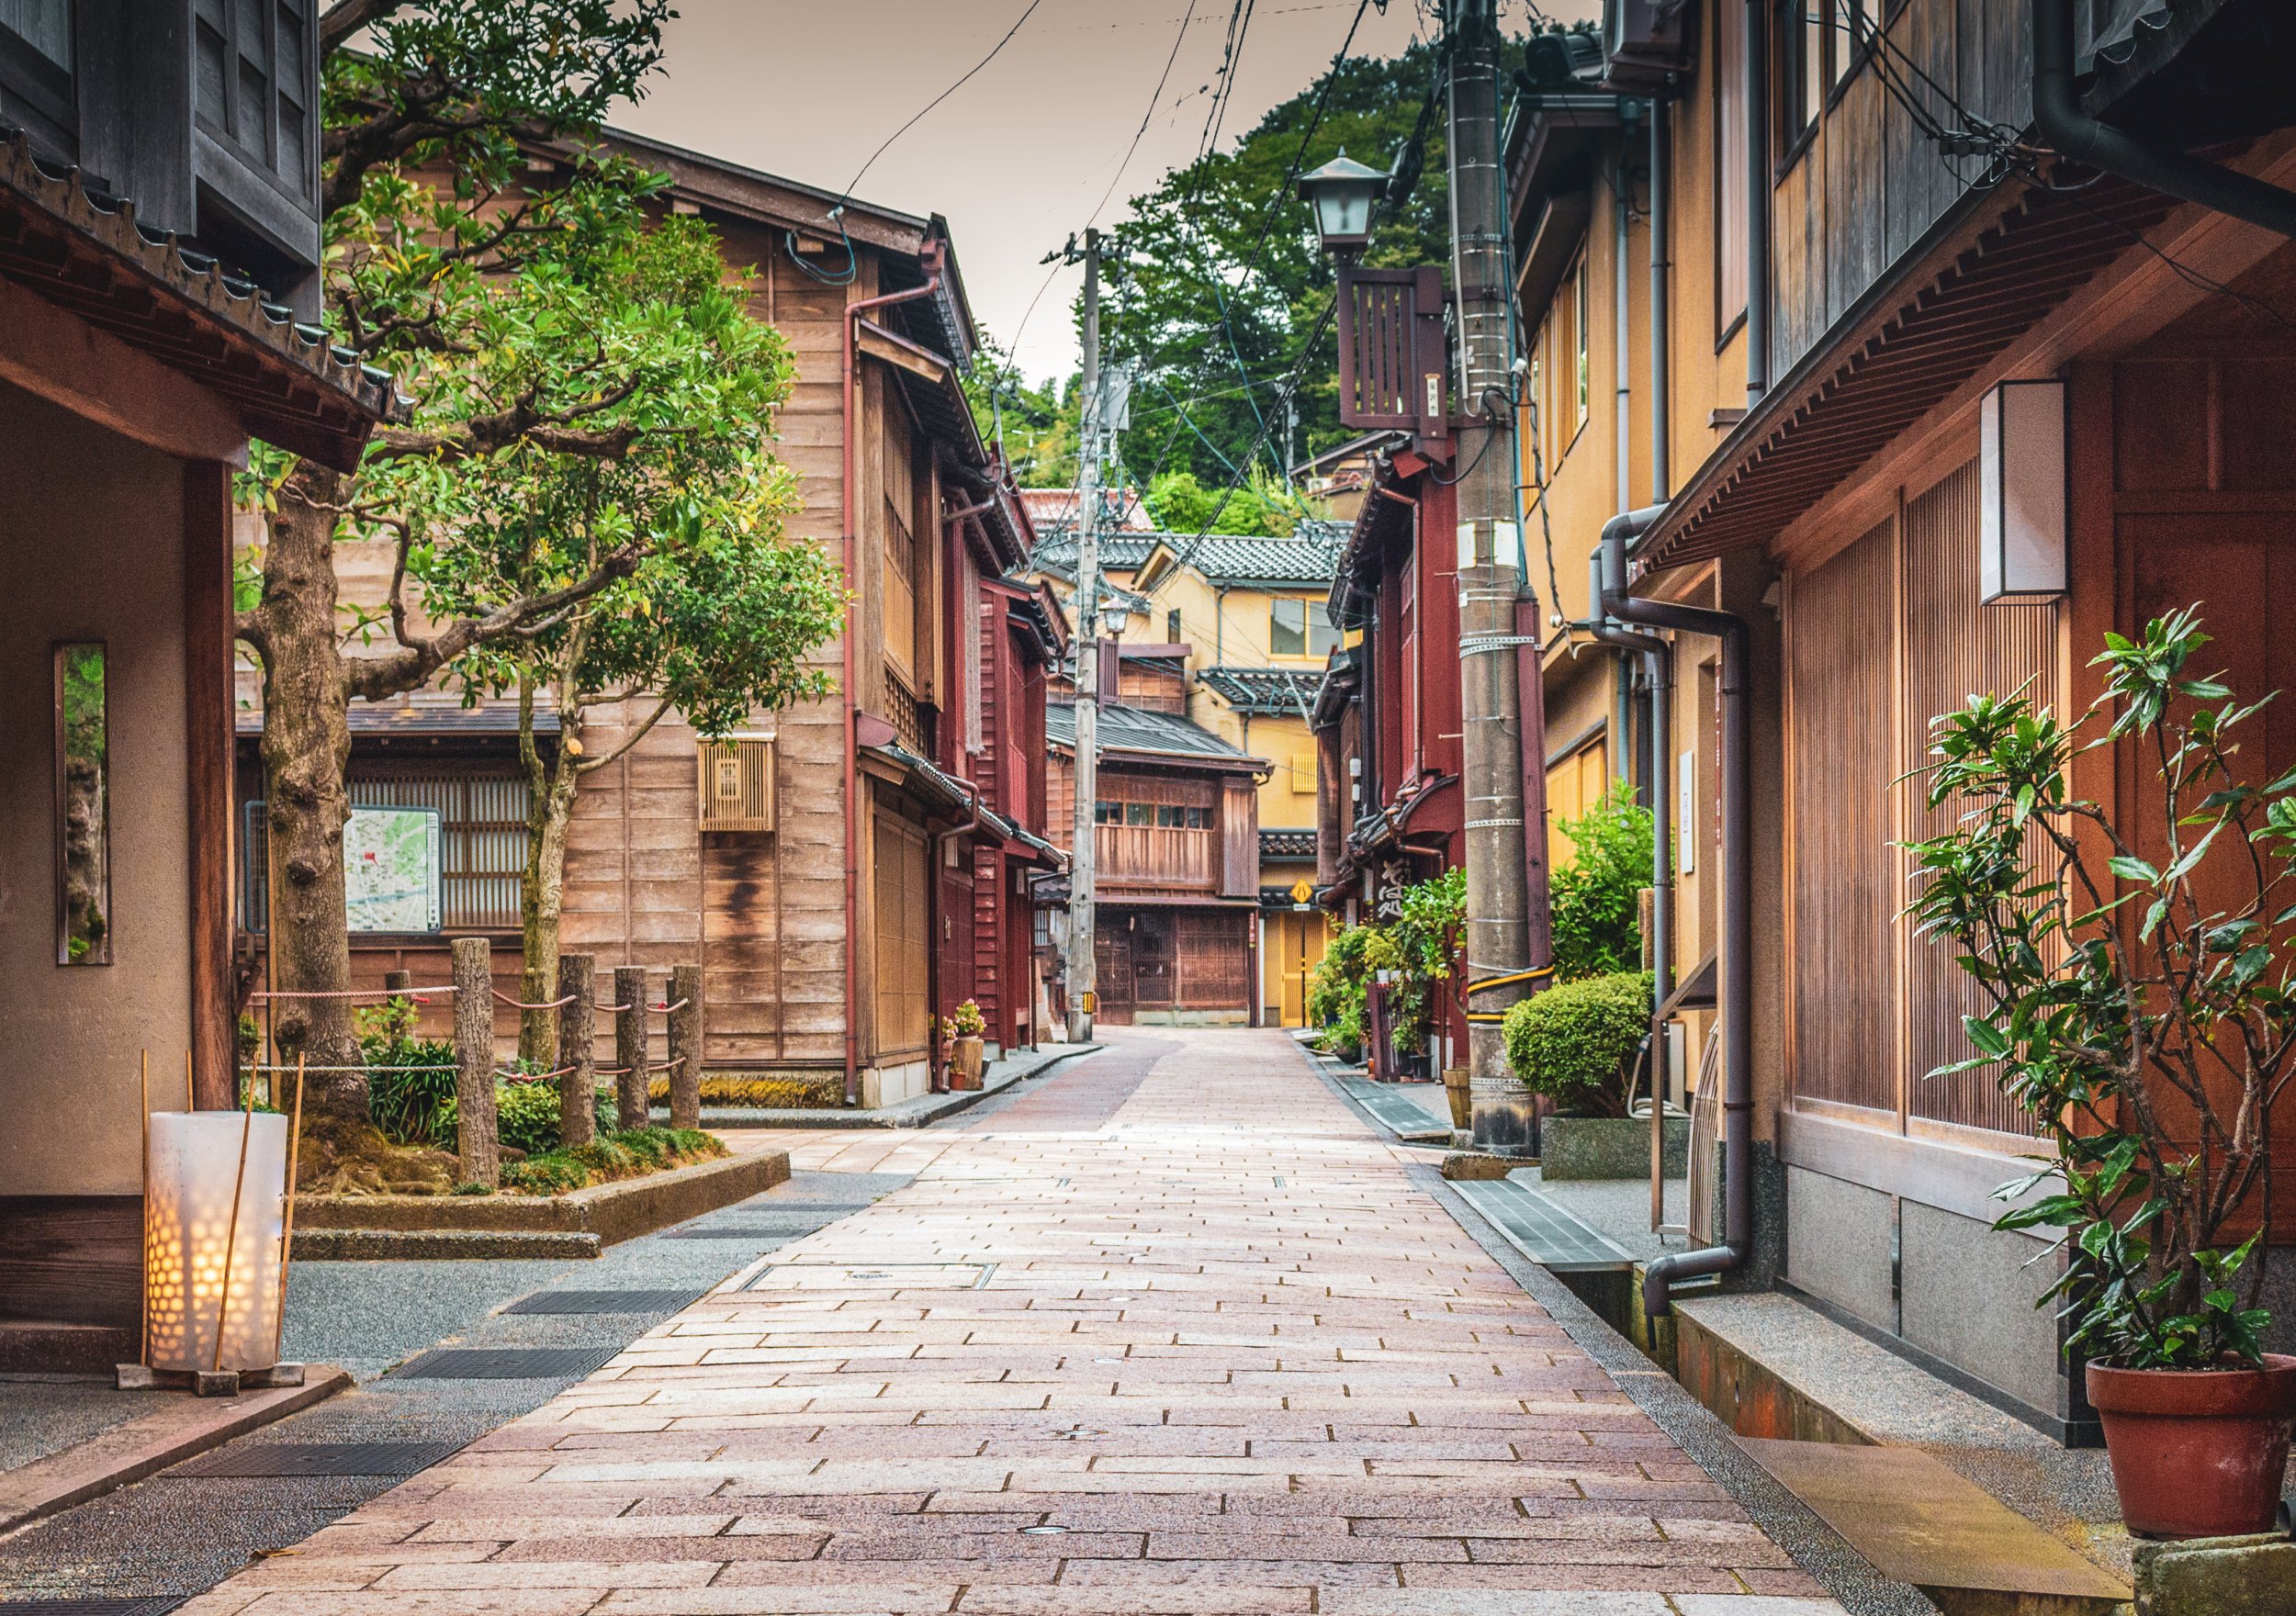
<point>2022,489</point>
<point>205,1270</point>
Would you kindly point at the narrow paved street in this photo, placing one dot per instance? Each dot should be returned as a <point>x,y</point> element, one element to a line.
<point>1173,1333</point>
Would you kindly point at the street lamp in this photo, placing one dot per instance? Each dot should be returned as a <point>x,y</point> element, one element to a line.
<point>1342,193</point>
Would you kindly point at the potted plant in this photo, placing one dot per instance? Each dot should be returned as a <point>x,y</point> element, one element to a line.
<point>1430,936</point>
<point>2139,993</point>
<point>1576,1045</point>
<point>963,1031</point>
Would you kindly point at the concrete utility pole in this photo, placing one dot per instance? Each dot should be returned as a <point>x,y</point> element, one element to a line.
<point>1505,789</point>
<point>1081,978</point>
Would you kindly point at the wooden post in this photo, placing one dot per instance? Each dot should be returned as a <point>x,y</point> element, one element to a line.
<point>207,749</point>
<point>629,1046</point>
<point>578,1035</point>
<point>479,1158</point>
<point>685,1046</point>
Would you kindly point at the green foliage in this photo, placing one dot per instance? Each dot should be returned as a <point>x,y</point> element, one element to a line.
<point>624,1154</point>
<point>526,1115</point>
<point>1259,507</point>
<point>1335,989</point>
<point>1035,427</point>
<point>1429,936</point>
<point>1574,1042</point>
<point>1597,892</point>
<point>761,1091</point>
<point>410,1080</point>
<point>2139,988</point>
<point>1220,341</point>
<point>966,1022</point>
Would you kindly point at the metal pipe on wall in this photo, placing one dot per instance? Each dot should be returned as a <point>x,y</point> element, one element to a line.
<point>1757,199</point>
<point>1661,469</point>
<point>1622,365</point>
<point>1737,994</point>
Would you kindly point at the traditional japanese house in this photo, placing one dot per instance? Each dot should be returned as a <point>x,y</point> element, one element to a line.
<point>843,871</point>
<point>1850,309</point>
<point>1176,838</point>
<point>158,253</point>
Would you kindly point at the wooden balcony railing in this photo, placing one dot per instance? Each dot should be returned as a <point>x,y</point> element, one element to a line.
<point>1146,855</point>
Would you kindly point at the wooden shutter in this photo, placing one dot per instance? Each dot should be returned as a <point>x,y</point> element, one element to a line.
<point>1239,839</point>
<point>737,781</point>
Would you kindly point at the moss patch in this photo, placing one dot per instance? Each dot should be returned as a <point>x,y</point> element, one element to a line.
<point>628,1154</point>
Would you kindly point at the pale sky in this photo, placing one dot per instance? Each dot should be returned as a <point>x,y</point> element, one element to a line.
<point>1018,158</point>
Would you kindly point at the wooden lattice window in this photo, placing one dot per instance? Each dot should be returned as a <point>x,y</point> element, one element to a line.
<point>482,855</point>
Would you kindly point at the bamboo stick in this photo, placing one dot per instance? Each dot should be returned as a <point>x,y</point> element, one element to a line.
<point>287,1225</point>
<point>143,1299</point>
<point>231,1235</point>
<point>191,1092</point>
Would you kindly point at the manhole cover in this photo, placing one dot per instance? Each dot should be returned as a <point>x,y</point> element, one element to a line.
<point>604,1301</point>
<point>154,1605</point>
<point>321,1459</point>
<point>506,1364</point>
<point>904,1277</point>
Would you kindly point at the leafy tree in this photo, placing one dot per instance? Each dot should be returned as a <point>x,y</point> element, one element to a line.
<point>2137,987</point>
<point>1258,508</point>
<point>446,268</point>
<point>717,618</point>
<point>1222,279</point>
<point>1597,893</point>
<point>1036,426</point>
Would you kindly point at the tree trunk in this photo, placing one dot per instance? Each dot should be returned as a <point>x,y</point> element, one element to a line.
<point>306,749</point>
<point>542,897</point>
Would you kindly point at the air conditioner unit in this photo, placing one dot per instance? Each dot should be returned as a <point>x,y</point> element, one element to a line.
<point>736,783</point>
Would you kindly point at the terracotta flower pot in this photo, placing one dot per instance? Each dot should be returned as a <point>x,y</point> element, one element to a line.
<point>2197,1452</point>
<point>1454,1090</point>
<point>966,1061</point>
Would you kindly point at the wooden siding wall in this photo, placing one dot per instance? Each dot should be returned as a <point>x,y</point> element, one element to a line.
<point>1952,648</point>
<point>1884,636</point>
<point>764,915</point>
<point>1840,760</point>
<point>1860,191</point>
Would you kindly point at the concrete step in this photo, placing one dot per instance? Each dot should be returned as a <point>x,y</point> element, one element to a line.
<point>1919,1522</point>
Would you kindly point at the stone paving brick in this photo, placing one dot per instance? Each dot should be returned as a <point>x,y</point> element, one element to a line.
<point>1173,1335</point>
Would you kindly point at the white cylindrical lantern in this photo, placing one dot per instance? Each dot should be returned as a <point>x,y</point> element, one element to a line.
<point>204,1270</point>
<point>2022,489</point>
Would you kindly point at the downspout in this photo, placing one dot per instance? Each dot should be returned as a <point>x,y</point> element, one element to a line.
<point>2057,114</point>
<point>1757,199</point>
<point>1622,362</point>
<point>849,356</point>
<point>1738,906</point>
<point>1661,467</point>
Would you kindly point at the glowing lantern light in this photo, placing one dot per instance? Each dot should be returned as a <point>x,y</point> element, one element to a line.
<point>214,1213</point>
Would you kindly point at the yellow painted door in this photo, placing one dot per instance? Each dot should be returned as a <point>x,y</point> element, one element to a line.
<point>1294,943</point>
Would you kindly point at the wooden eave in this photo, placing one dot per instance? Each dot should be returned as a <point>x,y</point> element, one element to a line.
<point>1995,267</point>
<point>290,386</point>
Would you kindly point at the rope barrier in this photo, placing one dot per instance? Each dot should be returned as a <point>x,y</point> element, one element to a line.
<point>614,1009</point>
<point>416,994</point>
<point>532,1076</point>
<point>666,1065</point>
<point>611,1071</point>
<point>671,1009</point>
<point>523,1005</point>
<point>386,1067</point>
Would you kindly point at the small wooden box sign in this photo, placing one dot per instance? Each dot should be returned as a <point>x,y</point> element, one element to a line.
<point>736,783</point>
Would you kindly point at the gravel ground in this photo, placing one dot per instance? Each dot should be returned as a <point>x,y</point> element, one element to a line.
<point>41,1414</point>
<point>178,1534</point>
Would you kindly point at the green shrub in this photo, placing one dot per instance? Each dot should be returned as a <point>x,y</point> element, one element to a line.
<point>1572,1043</point>
<point>1335,992</point>
<point>625,1154</point>
<point>526,1115</point>
<point>410,1081</point>
<point>1597,893</point>
<point>1428,935</point>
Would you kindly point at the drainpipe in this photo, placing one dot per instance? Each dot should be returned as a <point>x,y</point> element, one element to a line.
<point>2058,113</point>
<point>1738,906</point>
<point>1757,200</point>
<point>849,356</point>
<point>1622,361</point>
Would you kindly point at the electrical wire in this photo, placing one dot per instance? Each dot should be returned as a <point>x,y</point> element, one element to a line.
<point>1154,97</point>
<point>944,95</point>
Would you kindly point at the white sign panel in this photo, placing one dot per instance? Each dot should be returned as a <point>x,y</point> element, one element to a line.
<point>390,868</point>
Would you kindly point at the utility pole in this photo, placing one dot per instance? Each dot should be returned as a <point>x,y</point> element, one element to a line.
<point>1082,1002</point>
<point>1505,789</point>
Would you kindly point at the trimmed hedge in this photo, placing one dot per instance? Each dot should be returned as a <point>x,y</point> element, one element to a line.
<point>1572,1042</point>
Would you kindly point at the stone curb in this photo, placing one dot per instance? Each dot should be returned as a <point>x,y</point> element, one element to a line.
<point>405,1245</point>
<point>180,1427</point>
<point>921,1112</point>
<point>584,1220</point>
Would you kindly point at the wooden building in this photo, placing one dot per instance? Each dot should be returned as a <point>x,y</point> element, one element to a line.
<point>858,875</point>
<point>1176,840</point>
<point>1800,396</point>
<point>158,255</point>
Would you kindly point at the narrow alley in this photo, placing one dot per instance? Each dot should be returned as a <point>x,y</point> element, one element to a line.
<point>1173,1332</point>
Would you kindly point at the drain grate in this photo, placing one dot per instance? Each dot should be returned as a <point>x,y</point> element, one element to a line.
<point>555,1302</point>
<point>1543,1231</point>
<point>151,1605</point>
<point>1394,1109</point>
<point>321,1459</point>
<point>506,1364</point>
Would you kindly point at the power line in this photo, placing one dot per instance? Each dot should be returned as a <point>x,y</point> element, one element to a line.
<point>944,95</point>
<point>1155,95</point>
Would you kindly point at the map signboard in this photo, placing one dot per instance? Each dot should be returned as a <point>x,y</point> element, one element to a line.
<point>391,865</point>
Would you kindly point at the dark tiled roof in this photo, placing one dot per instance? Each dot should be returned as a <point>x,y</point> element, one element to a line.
<point>1312,560</point>
<point>1264,691</point>
<point>1286,843</point>
<point>1136,729</point>
<point>1056,550</point>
